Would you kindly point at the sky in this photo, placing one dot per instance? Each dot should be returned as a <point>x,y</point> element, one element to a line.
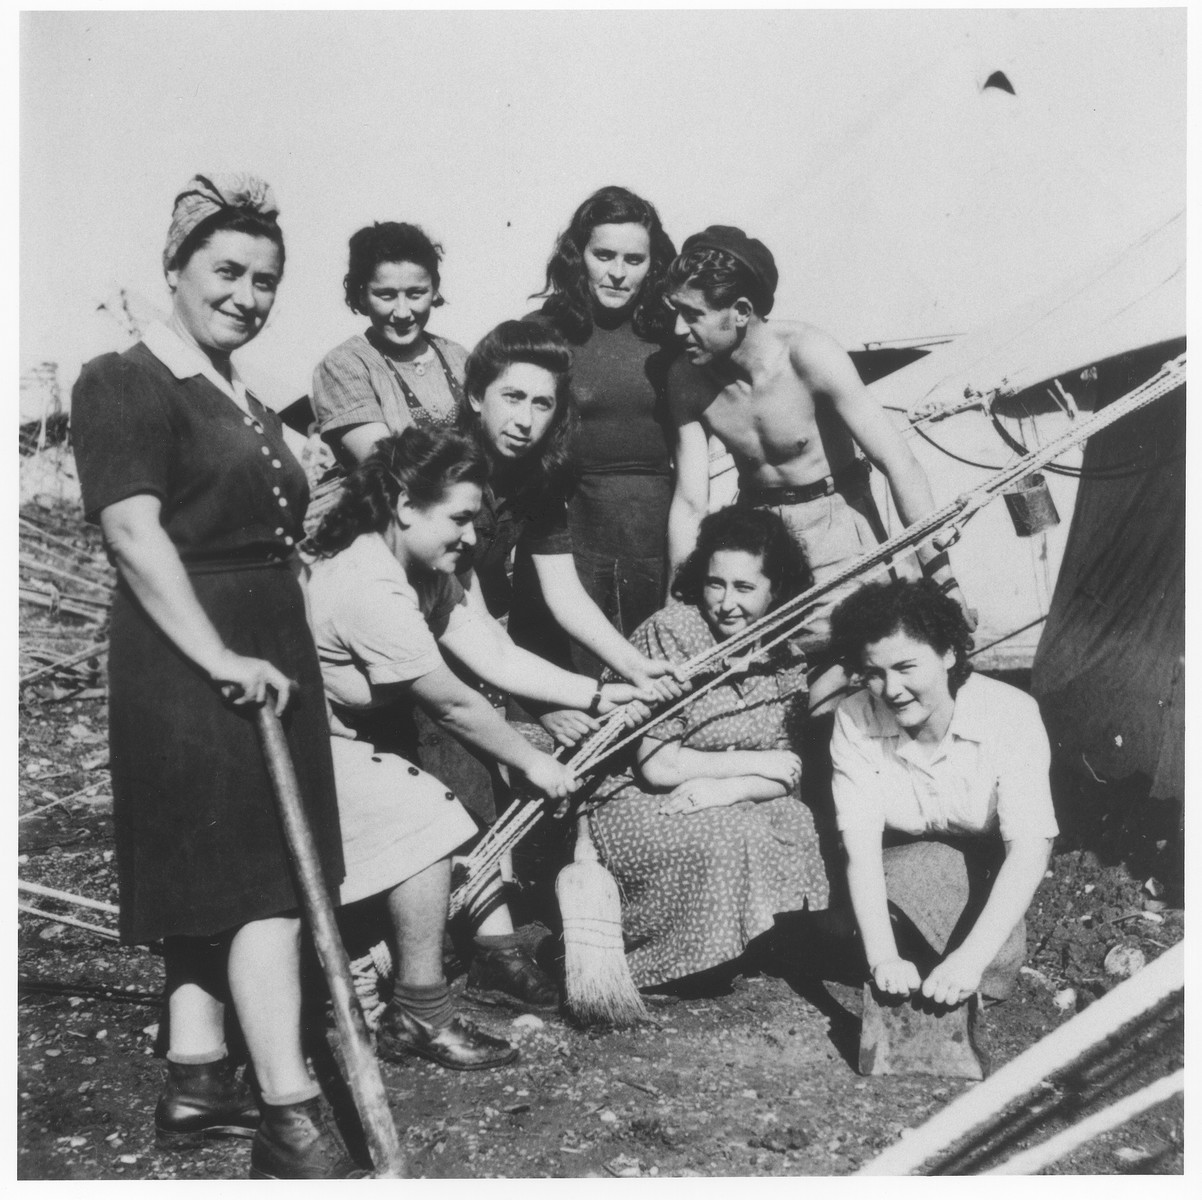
<point>899,197</point>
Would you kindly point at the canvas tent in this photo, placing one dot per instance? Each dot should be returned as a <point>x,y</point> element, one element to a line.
<point>1108,667</point>
<point>1120,305</point>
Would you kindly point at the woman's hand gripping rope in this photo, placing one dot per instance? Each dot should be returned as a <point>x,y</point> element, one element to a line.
<point>554,779</point>
<point>569,726</point>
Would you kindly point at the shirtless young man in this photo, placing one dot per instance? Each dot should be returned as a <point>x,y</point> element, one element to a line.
<point>788,404</point>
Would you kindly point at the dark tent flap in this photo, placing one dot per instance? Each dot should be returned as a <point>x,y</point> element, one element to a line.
<point>299,415</point>
<point>1108,672</point>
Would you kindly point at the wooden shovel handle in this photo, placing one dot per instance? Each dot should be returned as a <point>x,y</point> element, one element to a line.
<point>358,1059</point>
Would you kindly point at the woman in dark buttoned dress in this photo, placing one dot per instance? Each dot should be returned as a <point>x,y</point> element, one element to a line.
<point>201,503</point>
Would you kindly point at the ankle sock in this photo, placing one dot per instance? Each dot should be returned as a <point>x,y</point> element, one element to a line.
<point>195,1060</point>
<point>430,1003</point>
<point>297,1097</point>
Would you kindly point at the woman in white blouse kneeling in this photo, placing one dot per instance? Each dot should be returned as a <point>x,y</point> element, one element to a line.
<point>942,797</point>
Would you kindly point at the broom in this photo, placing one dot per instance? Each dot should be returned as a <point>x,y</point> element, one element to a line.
<point>596,978</point>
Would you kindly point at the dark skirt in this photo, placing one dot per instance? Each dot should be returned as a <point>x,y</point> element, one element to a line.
<point>200,847</point>
<point>942,886</point>
<point>619,528</point>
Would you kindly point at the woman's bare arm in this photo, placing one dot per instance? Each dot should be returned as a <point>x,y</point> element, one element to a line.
<point>668,764</point>
<point>485,648</point>
<point>959,974</point>
<point>866,883</point>
<point>463,712</point>
<point>151,566</point>
<point>359,440</point>
<point>580,618</point>
<point>700,794</point>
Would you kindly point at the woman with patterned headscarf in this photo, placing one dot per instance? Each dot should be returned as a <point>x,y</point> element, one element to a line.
<point>200,504</point>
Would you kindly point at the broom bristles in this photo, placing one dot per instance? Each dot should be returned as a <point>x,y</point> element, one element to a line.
<point>596,976</point>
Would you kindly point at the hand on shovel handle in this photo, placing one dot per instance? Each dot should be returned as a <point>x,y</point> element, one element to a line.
<point>244,680</point>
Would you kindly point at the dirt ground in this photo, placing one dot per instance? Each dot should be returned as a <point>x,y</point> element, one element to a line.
<point>753,1079</point>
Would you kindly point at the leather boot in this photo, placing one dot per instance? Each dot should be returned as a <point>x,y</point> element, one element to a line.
<point>203,1100</point>
<point>508,974</point>
<point>459,1044</point>
<point>301,1141</point>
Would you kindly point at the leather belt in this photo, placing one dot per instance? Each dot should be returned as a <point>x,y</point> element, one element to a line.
<point>755,496</point>
<point>240,562</point>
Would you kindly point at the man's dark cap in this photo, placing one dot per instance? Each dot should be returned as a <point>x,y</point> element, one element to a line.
<point>751,252</point>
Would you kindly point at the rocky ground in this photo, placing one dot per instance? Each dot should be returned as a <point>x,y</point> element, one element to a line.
<point>755,1079</point>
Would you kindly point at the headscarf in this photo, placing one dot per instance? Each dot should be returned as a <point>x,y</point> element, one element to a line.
<point>749,251</point>
<point>204,195</point>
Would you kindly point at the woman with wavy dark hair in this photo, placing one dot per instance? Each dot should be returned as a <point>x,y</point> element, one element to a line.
<point>520,411</point>
<point>385,605</point>
<point>941,795</point>
<point>706,830</point>
<point>582,270</point>
<point>395,373</point>
<point>603,294</point>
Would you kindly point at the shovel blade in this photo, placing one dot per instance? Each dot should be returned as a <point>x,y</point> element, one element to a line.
<point>906,1035</point>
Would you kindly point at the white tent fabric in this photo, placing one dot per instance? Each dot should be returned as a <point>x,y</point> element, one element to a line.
<point>1122,303</point>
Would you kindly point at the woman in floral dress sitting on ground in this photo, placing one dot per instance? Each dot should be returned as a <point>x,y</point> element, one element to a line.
<point>706,831</point>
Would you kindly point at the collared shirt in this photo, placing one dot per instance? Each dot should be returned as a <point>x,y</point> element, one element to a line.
<point>989,773</point>
<point>374,626</point>
<point>184,361</point>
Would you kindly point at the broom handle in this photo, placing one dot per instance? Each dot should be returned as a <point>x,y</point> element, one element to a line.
<point>585,850</point>
<point>358,1059</point>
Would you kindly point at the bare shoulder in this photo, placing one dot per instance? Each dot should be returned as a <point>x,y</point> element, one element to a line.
<point>812,351</point>
<point>822,364</point>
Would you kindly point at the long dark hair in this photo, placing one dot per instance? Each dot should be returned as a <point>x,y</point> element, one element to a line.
<point>568,302</point>
<point>423,463</point>
<point>916,608</point>
<point>755,531</point>
<point>538,344</point>
<point>388,241</point>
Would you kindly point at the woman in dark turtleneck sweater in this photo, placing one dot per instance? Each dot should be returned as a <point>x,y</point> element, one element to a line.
<point>603,296</point>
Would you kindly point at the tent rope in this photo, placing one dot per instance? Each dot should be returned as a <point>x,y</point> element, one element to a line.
<point>942,528</point>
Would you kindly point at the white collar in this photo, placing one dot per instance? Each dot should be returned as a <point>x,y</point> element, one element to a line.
<point>185,361</point>
<point>970,716</point>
